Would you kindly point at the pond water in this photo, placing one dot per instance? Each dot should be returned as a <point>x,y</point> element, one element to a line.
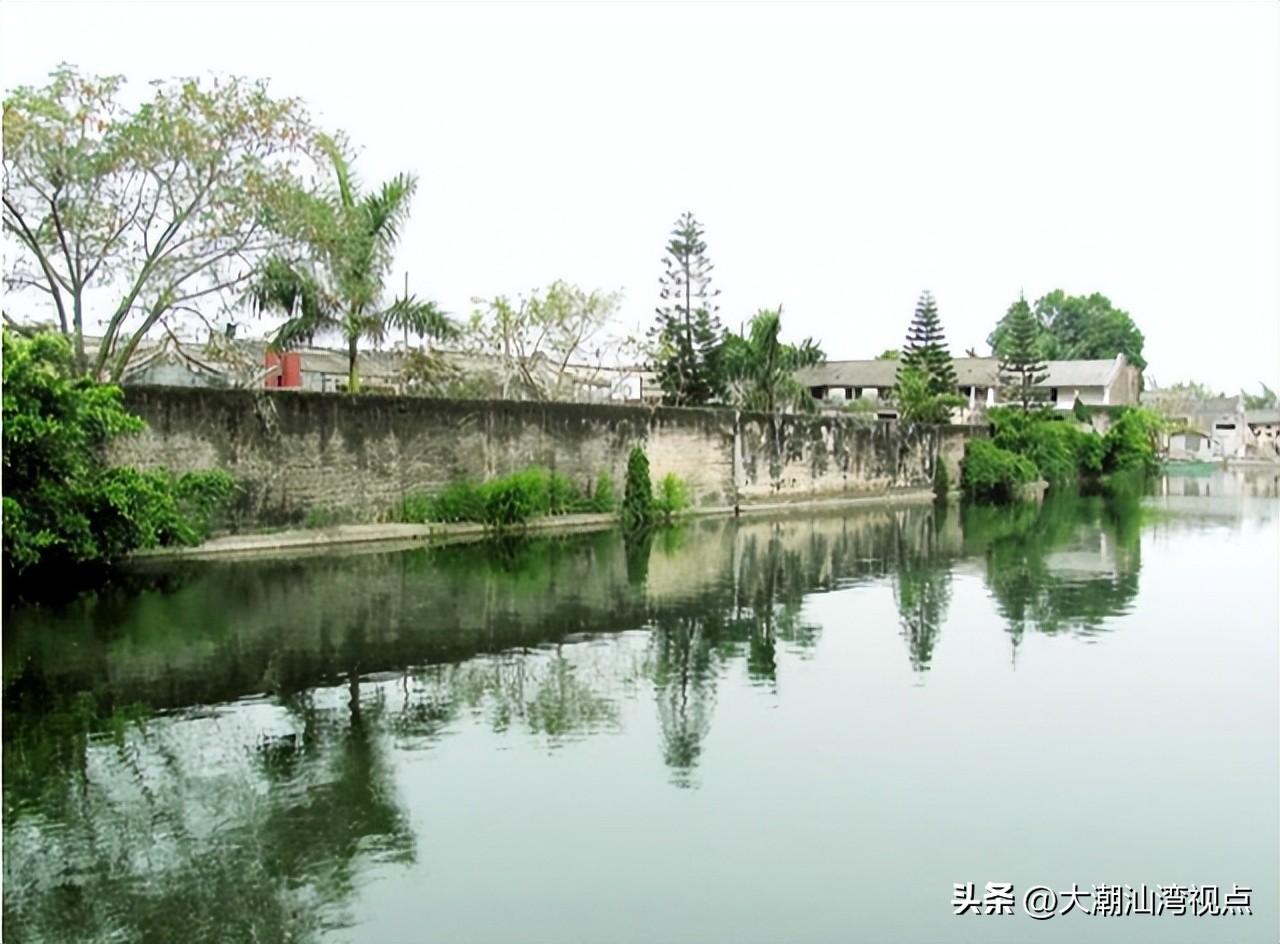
<point>794,729</point>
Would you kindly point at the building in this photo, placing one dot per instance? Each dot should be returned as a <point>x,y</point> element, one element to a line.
<point>1203,428</point>
<point>1113,382</point>
<point>1264,429</point>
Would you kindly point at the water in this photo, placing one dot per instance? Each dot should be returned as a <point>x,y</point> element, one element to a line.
<point>800,729</point>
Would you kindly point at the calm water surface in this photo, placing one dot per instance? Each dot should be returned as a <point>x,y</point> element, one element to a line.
<point>801,729</point>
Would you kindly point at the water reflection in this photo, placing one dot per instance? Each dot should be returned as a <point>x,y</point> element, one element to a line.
<point>132,811</point>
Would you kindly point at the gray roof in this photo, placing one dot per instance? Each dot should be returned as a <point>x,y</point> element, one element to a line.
<point>970,372</point>
<point>1177,403</point>
<point>1262,416</point>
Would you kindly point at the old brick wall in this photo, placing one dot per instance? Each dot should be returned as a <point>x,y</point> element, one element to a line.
<point>358,457</point>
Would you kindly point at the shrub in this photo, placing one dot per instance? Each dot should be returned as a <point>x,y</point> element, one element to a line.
<point>461,501</point>
<point>637,499</point>
<point>417,508</point>
<point>1080,411</point>
<point>941,481</point>
<point>63,507</point>
<point>514,499</point>
<point>918,404</point>
<point>990,473</point>
<point>1130,443</point>
<point>604,500</point>
<point>560,493</point>
<point>672,497</point>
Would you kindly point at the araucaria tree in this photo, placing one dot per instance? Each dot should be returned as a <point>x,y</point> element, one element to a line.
<point>687,336</point>
<point>337,286</point>
<point>1020,366</point>
<point>926,349</point>
<point>926,379</point>
<point>125,218</point>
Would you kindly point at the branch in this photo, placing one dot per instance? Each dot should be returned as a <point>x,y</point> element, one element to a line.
<point>28,238</point>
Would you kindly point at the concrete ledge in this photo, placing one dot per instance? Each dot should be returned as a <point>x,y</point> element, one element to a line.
<point>410,535</point>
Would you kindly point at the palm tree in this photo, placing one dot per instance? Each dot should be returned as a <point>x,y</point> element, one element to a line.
<point>762,369</point>
<point>352,239</point>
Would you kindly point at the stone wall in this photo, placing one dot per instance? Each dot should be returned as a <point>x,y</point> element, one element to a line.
<point>358,457</point>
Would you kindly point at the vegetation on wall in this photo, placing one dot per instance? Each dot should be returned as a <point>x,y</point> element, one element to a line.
<point>64,508</point>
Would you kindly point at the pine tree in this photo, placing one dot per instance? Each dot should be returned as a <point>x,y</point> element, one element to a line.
<point>926,349</point>
<point>687,334</point>
<point>1020,364</point>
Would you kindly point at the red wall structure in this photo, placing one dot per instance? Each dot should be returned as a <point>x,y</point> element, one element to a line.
<point>290,373</point>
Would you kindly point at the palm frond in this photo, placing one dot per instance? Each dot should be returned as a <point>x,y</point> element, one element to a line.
<point>341,169</point>
<point>386,210</point>
<point>423,318</point>
<point>285,289</point>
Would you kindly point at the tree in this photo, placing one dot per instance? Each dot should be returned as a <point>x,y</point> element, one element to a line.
<point>64,507</point>
<point>352,239</point>
<point>761,369</point>
<point>1019,363</point>
<point>892,354</point>
<point>926,349</point>
<point>137,215</point>
<point>637,500</point>
<point>687,335</point>
<point>1078,327</point>
<point>548,343</point>
<point>917,403</point>
<point>1266,400</point>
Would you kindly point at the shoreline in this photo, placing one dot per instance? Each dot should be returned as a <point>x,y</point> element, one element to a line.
<point>406,536</point>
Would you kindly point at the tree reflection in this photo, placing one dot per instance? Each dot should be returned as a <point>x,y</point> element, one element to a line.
<point>922,583</point>
<point>1067,565</point>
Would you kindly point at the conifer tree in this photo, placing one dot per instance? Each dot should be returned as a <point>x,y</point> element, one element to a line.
<point>687,335</point>
<point>1020,364</point>
<point>926,349</point>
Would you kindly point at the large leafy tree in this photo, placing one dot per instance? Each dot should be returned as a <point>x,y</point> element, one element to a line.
<point>926,349</point>
<point>547,343</point>
<point>338,284</point>
<point>1078,327</point>
<point>120,219</point>
<point>1266,400</point>
<point>1020,364</point>
<point>687,335</point>
<point>761,369</point>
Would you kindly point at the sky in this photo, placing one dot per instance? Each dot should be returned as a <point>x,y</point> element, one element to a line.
<point>842,158</point>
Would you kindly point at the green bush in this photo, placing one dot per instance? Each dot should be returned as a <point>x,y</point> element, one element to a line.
<point>1062,452</point>
<point>672,497</point>
<point>1130,443</point>
<point>561,496</point>
<point>604,500</point>
<point>941,481</point>
<point>918,404</point>
<point>990,473</point>
<point>637,499</point>
<point>63,507</point>
<point>461,501</point>
<point>514,499</point>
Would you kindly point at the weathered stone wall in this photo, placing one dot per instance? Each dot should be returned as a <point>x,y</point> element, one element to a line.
<point>358,457</point>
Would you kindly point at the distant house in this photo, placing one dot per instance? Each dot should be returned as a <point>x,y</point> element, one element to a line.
<point>1203,428</point>
<point>1264,428</point>
<point>1112,382</point>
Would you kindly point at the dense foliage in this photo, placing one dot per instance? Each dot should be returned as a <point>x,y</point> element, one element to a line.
<point>339,286</point>
<point>1077,327</point>
<point>990,473</point>
<point>63,507</point>
<point>917,403</point>
<point>687,336</point>
<point>1268,399</point>
<point>761,369</point>
<point>507,501</point>
<point>1066,453</point>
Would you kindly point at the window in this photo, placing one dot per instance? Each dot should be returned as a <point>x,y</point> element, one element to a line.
<point>1224,425</point>
<point>819,393</point>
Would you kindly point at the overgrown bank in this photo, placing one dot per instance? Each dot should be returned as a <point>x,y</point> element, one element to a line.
<point>1063,450</point>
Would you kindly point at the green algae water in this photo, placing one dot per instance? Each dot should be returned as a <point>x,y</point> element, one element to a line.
<point>803,729</point>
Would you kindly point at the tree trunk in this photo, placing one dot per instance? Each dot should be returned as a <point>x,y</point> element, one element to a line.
<point>353,376</point>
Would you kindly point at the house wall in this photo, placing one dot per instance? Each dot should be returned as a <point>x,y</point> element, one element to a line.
<point>359,456</point>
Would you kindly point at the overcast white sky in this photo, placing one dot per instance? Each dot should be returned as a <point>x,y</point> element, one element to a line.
<point>842,158</point>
